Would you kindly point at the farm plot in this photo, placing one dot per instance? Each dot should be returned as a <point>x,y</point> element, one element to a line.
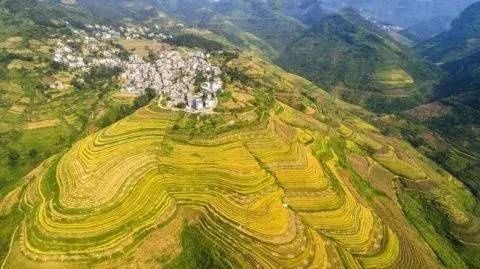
<point>262,193</point>
<point>394,78</point>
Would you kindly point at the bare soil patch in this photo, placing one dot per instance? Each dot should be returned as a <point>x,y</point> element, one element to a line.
<point>19,64</point>
<point>429,111</point>
<point>7,203</point>
<point>142,47</point>
<point>17,109</point>
<point>399,93</point>
<point>310,110</point>
<point>5,127</point>
<point>422,185</point>
<point>42,124</point>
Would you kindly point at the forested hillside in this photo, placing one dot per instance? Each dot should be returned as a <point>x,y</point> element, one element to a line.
<point>405,13</point>
<point>427,29</point>
<point>460,41</point>
<point>351,57</point>
<point>452,118</point>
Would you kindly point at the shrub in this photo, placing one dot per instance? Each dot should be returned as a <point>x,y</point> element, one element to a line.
<point>13,157</point>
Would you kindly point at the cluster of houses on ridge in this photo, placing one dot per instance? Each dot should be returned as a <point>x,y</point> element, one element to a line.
<point>106,32</point>
<point>387,27</point>
<point>85,53</point>
<point>182,80</point>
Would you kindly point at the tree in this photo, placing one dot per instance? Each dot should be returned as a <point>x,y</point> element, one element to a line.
<point>145,98</point>
<point>150,93</point>
<point>181,105</point>
<point>32,153</point>
<point>275,5</point>
<point>13,157</point>
<point>151,56</point>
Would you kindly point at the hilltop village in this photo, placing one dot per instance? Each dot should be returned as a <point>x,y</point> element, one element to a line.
<point>184,80</point>
<point>106,32</point>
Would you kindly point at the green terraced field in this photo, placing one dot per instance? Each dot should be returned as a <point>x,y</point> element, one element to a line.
<point>394,78</point>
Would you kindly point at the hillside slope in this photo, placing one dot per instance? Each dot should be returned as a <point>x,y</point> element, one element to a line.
<point>235,18</point>
<point>403,12</point>
<point>427,29</point>
<point>459,50</point>
<point>264,185</point>
<point>451,122</point>
<point>382,74</point>
<point>350,56</point>
<point>459,42</point>
<point>463,76</point>
<point>38,120</point>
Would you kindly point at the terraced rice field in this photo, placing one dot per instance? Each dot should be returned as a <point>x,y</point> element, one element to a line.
<point>280,189</point>
<point>394,78</point>
<point>260,193</point>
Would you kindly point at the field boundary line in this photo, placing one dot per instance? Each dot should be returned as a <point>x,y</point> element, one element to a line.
<point>9,248</point>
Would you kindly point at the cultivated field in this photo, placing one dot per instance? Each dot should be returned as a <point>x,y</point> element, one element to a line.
<point>394,78</point>
<point>260,185</point>
<point>142,47</point>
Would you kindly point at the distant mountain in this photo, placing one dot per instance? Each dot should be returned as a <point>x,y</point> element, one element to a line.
<point>454,114</point>
<point>463,76</point>
<point>110,10</point>
<point>405,13</point>
<point>342,52</point>
<point>462,40</point>
<point>46,14</point>
<point>458,52</point>
<point>427,29</point>
<point>242,22</point>
<point>346,53</point>
<point>80,12</point>
<point>307,11</point>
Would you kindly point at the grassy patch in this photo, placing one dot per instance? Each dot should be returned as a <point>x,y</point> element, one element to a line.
<point>26,149</point>
<point>9,224</point>
<point>393,78</point>
<point>423,215</point>
<point>199,252</point>
<point>336,148</point>
<point>399,167</point>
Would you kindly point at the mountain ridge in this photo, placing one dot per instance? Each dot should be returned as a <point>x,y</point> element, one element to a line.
<point>460,41</point>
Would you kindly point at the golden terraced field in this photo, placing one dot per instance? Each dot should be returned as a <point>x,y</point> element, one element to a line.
<point>284,191</point>
<point>261,193</point>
